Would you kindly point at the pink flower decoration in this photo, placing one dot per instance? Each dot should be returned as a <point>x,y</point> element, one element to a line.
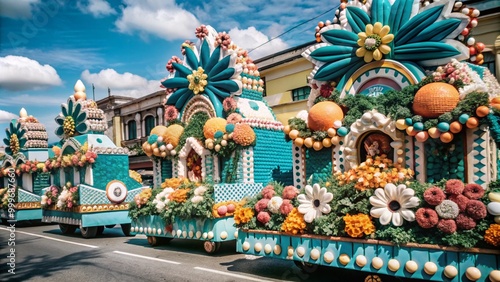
<point>473,191</point>
<point>454,186</point>
<point>268,192</point>
<point>286,207</point>
<point>261,205</point>
<point>426,217</point>
<point>234,118</point>
<point>263,217</point>
<point>465,222</point>
<point>460,200</point>
<point>171,113</point>
<point>447,226</point>
<point>229,104</point>
<point>169,65</point>
<point>290,192</point>
<point>476,209</point>
<point>434,196</point>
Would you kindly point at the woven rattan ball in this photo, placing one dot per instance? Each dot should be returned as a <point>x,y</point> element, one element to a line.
<point>435,99</point>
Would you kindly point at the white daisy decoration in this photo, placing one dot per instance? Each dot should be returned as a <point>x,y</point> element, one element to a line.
<point>314,203</point>
<point>393,204</point>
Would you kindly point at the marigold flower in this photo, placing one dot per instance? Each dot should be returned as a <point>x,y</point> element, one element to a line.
<point>294,223</point>
<point>492,235</point>
<point>179,195</point>
<point>243,215</point>
<point>358,225</point>
<point>243,134</point>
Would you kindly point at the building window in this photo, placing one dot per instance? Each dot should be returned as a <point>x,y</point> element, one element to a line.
<point>149,124</point>
<point>301,93</point>
<point>132,130</point>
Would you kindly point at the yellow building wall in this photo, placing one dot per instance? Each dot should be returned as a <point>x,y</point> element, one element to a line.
<point>117,131</point>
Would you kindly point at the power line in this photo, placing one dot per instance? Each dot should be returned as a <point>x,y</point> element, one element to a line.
<point>294,27</point>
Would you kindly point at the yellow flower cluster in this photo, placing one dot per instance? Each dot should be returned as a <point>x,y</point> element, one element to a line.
<point>134,175</point>
<point>243,134</point>
<point>375,173</point>
<point>174,183</point>
<point>358,225</point>
<point>143,197</point>
<point>197,81</point>
<point>179,195</point>
<point>223,209</point>
<point>243,215</point>
<point>492,235</point>
<point>294,223</point>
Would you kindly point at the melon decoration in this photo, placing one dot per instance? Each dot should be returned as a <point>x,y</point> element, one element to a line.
<point>435,99</point>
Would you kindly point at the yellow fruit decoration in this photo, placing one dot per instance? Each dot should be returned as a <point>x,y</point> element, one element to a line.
<point>213,125</point>
<point>173,134</point>
<point>159,130</point>
<point>323,115</point>
<point>146,147</point>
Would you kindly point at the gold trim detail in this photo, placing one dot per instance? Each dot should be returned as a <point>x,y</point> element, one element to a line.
<point>94,208</point>
<point>28,205</point>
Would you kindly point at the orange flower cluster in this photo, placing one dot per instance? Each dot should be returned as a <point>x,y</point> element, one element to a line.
<point>243,134</point>
<point>174,183</point>
<point>223,209</point>
<point>243,215</point>
<point>358,225</point>
<point>294,223</point>
<point>375,173</point>
<point>179,195</point>
<point>492,235</point>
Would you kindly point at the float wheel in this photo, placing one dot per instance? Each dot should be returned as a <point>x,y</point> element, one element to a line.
<point>110,226</point>
<point>153,241</point>
<point>88,232</point>
<point>67,229</point>
<point>126,229</point>
<point>211,247</point>
<point>306,267</point>
<point>100,230</point>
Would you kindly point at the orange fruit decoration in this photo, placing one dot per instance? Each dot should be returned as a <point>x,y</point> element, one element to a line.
<point>173,134</point>
<point>482,111</point>
<point>323,115</point>
<point>213,125</point>
<point>472,122</point>
<point>435,99</point>
<point>455,127</point>
<point>446,137</point>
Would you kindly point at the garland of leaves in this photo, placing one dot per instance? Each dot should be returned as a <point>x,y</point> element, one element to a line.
<point>193,129</point>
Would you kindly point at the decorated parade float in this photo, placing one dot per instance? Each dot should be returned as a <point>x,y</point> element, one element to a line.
<point>395,161</point>
<point>91,185</point>
<point>21,171</point>
<point>221,143</point>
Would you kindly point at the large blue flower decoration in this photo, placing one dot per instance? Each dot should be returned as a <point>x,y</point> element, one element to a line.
<point>212,72</point>
<point>16,138</point>
<point>401,31</point>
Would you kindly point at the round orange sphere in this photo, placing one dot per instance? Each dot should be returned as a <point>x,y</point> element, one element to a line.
<point>323,115</point>
<point>435,99</point>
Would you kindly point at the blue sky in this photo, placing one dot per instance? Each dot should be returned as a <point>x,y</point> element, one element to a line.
<point>47,45</point>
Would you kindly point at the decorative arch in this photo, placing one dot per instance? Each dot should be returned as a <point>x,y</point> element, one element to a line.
<point>197,104</point>
<point>371,122</point>
<point>192,144</point>
<point>70,146</point>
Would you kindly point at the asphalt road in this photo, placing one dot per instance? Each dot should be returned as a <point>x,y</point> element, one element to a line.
<point>42,253</point>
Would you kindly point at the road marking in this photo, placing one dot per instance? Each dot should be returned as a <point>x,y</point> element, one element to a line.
<point>54,239</point>
<point>230,274</point>
<point>145,257</point>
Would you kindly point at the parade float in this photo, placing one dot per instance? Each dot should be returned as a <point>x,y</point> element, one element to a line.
<point>21,171</point>
<point>395,161</point>
<point>221,143</point>
<point>91,186</point>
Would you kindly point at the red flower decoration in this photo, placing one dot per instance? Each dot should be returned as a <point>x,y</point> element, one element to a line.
<point>473,191</point>
<point>454,187</point>
<point>434,196</point>
<point>426,217</point>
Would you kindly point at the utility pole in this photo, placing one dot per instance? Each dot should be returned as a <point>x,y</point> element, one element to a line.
<point>109,92</point>
<point>93,91</point>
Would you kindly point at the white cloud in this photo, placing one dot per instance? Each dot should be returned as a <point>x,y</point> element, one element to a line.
<point>251,38</point>
<point>98,8</point>
<point>164,19</point>
<point>20,73</point>
<point>17,9</point>
<point>126,84</point>
<point>6,117</point>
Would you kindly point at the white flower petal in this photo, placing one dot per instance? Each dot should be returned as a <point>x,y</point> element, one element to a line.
<point>385,218</point>
<point>411,203</point>
<point>408,215</point>
<point>310,215</point>
<point>391,191</point>
<point>397,220</point>
<point>325,208</point>
<point>308,190</point>
<point>304,208</point>
<point>378,203</point>
<point>377,212</point>
<point>380,194</point>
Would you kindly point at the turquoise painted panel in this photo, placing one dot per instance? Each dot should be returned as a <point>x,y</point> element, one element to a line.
<point>346,248</point>
<point>420,257</point>
<point>318,164</point>
<point>56,178</point>
<point>242,237</point>
<point>112,167</point>
<point>40,181</point>
<point>358,250</point>
<point>166,169</point>
<point>439,258</point>
<point>486,263</point>
<point>370,253</point>
<point>272,157</point>
<point>331,246</point>
<point>452,259</point>
<point>402,255</point>
<point>105,218</point>
<point>72,215</point>
<point>32,214</point>
<point>25,196</point>
<point>385,253</point>
<point>316,244</point>
<point>465,260</point>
